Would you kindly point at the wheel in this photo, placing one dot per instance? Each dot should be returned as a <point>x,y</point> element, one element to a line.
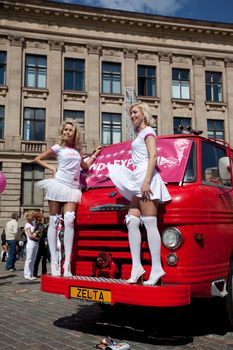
<point>229,297</point>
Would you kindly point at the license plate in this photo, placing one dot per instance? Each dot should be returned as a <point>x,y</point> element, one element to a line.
<point>99,295</point>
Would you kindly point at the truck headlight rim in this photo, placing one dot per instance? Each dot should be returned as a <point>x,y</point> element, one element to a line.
<point>172,238</point>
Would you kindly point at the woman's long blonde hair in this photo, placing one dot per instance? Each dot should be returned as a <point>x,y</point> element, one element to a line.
<point>145,109</point>
<point>77,133</point>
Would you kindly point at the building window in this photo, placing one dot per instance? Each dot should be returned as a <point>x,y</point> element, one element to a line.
<point>180,83</point>
<point>2,68</point>
<point>74,78</point>
<point>111,128</point>
<point>181,125</point>
<point>36,71</point>
<point>77,115</point>
<point>111,78</point>
<point>31,195</point>
<point>34,124</point>
<point>2,113</point>
<point>146,81</point>
<point>215,128</point>
<point>213,86</point>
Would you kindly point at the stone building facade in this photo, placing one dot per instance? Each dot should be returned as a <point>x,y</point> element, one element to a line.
<point>61,60</point>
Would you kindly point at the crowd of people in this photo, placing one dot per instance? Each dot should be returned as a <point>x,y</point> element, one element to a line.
<point>21,243</point>
<point>143,187</point>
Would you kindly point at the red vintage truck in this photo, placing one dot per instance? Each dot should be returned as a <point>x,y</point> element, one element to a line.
<point>196,228</point>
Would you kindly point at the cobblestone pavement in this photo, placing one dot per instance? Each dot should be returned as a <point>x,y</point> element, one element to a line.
<point>33,320</point>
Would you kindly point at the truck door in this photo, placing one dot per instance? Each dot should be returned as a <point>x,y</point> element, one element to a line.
<point>219,198</point>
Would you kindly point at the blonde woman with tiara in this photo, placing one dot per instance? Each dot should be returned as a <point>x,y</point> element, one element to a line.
<point>144,188</point>
<point>63,190</point>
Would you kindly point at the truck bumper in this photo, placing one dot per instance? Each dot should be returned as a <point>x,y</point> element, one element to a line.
<point>120,292</point>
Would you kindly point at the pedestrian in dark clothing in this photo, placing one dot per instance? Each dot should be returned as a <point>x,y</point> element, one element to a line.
<point>4,246</point>
<point>42,253</point>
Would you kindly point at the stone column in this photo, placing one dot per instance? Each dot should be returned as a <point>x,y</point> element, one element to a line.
<point>229,96</point>
<point>130,57</point>
<point>93,117</point>
<point>165,118</point>
<point>54,85</point>
<point>200,122</point>
<point>14,83</point>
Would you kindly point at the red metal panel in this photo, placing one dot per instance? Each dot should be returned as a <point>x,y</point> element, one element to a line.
<point>173,295</point>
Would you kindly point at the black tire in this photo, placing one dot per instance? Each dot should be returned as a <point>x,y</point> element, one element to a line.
<point>229,297</point>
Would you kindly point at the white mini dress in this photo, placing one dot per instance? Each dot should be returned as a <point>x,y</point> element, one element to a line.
<point>65,186</point>
<point>129,182</point>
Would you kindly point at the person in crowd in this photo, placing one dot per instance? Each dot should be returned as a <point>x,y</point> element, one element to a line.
<point>63,190</point>
<point>4,250</point>
<point>11,230</point>
<point>42,251</point>
<point>32,244</point>
<point>144,188</point>
<point>22,244</point>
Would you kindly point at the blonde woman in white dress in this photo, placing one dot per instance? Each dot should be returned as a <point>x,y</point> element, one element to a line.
<point>144,188</point>
<point>63,190</point>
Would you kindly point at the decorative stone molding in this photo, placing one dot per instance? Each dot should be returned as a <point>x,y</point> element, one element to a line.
<point>33,146</point>
<point>228,62</point>
<point>2,40</point>
<point>151,101</point>
<point>76,96</point>
<point>216,106</point>
<point>111,99</point>
<point>35,93</point>
<point>2,145</point>
<point>74,48</point>
<point>3,90</point>
<point>56,45</point>
<point>181,104</point>
<point>112,53</point>
<point>94,49</point>
<point>130,53</point>
<point>16,40</point>
<point>165,56</point>
<point>199,60</point>
<point>181,59</point>
<point>36,44</point>
<point>147,56</point>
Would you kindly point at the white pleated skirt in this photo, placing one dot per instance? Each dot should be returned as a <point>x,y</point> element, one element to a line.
<point>129,182</point>
<point>59,192</point>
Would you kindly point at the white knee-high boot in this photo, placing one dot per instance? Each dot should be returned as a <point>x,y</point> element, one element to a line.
<point>68,240</point>
<point>134,234</point>
<point>154,242</point>
<point>52,241</point>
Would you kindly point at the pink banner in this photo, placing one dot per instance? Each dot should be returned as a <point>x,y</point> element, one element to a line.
<point>172,157</point>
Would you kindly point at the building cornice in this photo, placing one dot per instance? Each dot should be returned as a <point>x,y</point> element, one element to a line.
<point>61,12</point>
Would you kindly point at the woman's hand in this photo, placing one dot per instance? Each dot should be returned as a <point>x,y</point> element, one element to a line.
<point>54,170</point>
<point>146,191</point>
<point>97,151</point>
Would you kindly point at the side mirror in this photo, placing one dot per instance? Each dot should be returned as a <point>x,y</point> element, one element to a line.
<point>224,169</point>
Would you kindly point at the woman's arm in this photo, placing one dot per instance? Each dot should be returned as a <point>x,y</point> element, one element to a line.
<point>151,148</point>
<point>85,165</point>
<point>40,160</point>
<point>31,235</point>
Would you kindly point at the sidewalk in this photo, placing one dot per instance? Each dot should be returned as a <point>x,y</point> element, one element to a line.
<point>34,320</point>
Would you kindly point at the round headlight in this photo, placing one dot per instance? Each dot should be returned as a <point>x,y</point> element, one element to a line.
<point>171,238</point>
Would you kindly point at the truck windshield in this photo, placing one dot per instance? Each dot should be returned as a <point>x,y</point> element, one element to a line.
<point>172,159</point>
